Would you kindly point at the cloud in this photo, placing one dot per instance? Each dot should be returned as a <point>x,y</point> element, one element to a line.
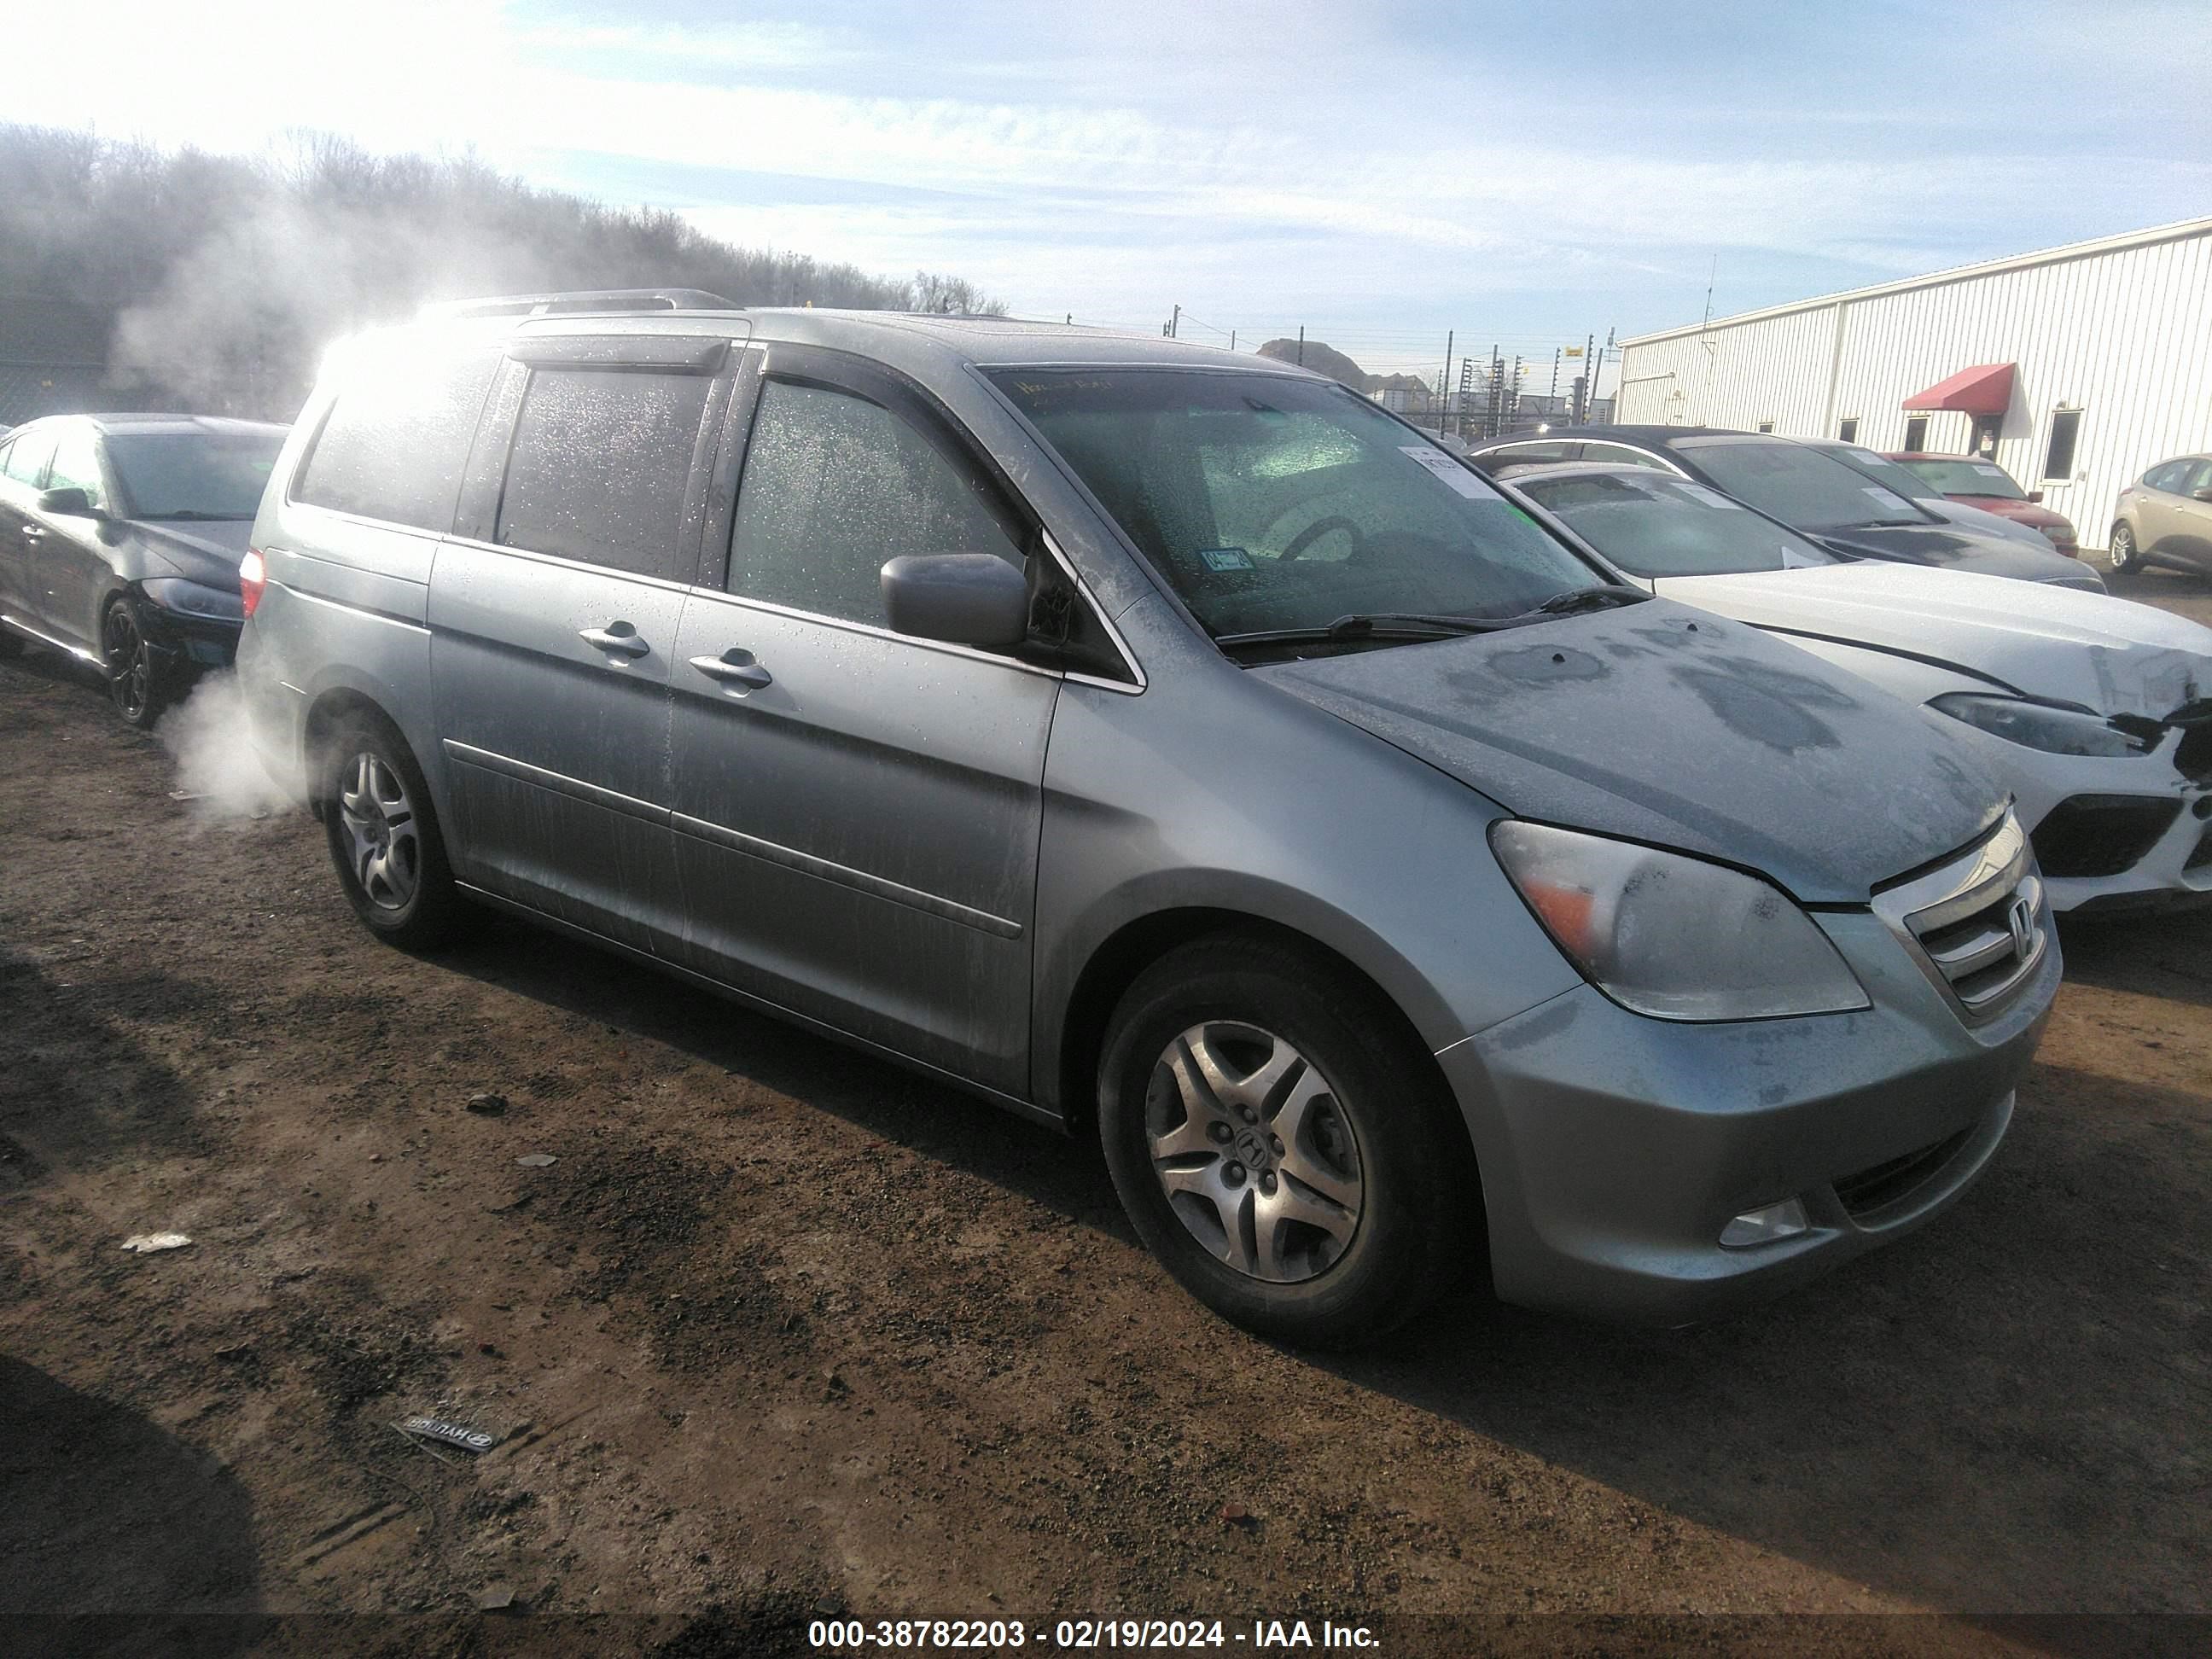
<point>1243,158</point>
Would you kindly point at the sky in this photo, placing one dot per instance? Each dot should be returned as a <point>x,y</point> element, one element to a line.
<point>1380,173</point>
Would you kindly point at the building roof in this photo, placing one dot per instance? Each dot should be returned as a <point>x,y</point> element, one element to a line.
<point>2181,230</point>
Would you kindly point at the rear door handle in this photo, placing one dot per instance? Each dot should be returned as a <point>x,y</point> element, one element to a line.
<point>616,639</point>
<point>735,666</point>
<point>33,532</point>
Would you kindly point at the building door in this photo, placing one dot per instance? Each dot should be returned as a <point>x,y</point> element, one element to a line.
<point>1984,442</point>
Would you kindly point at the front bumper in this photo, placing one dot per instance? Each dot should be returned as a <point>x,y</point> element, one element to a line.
<point>181,639</point>
<point>1615,1149</point>
<point>2169,865</point>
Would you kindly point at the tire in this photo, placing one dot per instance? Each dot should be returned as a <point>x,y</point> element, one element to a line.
<point>136,683</point>
<point>1371,1189</point>
<point>2120,552</point>
<point>384,836</point>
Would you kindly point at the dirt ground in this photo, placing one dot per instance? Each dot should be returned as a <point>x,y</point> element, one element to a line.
<point>783,1332</point>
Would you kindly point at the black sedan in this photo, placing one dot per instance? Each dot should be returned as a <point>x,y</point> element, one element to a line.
<point>120,537</point>
<point>1814,494</point>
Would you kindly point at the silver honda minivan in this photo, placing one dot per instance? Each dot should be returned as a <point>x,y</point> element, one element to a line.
<point>1173,747</point>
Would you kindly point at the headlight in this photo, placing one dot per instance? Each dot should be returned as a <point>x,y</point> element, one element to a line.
<point>1671,936</point>
<point>2059,534</point>
<point>2038,726</point>
<point>175,594</point>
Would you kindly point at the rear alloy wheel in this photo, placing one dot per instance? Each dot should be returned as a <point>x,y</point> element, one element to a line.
<point>1278,1149</point>
<point>2120,551</point>
<point>384,838</point>
<point>134,683</point>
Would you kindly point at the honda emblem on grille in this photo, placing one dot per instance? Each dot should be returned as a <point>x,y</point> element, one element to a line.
<point>2021,919</point>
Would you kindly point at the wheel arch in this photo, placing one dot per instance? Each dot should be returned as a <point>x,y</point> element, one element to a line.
<point>1113,965</point>
<point>330,707</point>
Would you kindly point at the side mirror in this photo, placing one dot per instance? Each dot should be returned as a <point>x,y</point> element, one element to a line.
<point>2205,494</point>
<point>69,502</point>
<point>964,599</point>
<point>2035,494</point>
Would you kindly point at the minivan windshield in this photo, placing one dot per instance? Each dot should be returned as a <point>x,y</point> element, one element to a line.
<point>1271,503</point>
<point>1651,525</point>
<point>194,474</point>
<point>1804,488</point>
<point>1969,477</point>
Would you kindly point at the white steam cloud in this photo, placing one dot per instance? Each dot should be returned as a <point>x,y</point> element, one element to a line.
<point>220,774</point>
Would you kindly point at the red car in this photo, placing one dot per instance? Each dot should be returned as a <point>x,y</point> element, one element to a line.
<point>1977,483</point>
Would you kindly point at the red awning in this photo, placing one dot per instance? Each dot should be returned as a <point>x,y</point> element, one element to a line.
<point>1984,391</point>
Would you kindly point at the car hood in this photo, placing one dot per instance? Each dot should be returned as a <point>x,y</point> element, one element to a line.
<point>2112,655</point>
<point>2027,512</point>
<point>1954,547</point>
<point>207,552</point>
<point>1661,724</point>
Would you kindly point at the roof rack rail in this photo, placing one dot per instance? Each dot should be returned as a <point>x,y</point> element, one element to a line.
<point>583,300</point>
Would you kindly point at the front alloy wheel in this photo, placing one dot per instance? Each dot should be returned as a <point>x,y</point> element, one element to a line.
<point>1282,1142</point>
<point>1255,1157</point>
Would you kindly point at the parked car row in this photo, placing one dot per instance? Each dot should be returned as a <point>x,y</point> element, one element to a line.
<point>2095,712</point>
<point>1388,866</point>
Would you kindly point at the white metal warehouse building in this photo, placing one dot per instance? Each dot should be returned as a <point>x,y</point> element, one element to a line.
<point>2075,369</point>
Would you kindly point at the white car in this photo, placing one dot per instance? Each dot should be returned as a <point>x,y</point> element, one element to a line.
<point>2096,711</point>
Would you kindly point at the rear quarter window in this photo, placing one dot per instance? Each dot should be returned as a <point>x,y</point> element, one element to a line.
<point>393,445</point>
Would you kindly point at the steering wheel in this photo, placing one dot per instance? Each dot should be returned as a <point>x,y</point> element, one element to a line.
<point>1320,527</point>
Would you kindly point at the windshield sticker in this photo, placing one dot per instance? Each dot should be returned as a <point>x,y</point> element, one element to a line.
<point>1711,497</point>
<point>1225,558</point>
<point>1888,500</point>
<point>1989,472</point>
<point>1445,468</point>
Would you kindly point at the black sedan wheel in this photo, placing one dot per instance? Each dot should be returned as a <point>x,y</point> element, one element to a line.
<point>133,682</point>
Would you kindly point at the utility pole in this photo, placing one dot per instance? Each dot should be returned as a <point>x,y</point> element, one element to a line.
<point>1301,345</point>
<point>1232,339</point>
<point>1443,386</point>
<point>1174,323</point>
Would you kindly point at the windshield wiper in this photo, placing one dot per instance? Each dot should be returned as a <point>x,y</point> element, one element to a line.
<point>1428,625</point>
<point>1603,597</point>
<point>1364,625</point>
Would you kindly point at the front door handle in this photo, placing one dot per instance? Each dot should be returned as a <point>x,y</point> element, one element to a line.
<point>735,666</point>
<point>33,532</point>
<point>616,639</point>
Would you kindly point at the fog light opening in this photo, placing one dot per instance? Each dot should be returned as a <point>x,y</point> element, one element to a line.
<point>1768,1225</point>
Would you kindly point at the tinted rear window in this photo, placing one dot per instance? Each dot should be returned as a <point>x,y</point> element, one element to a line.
<point>1804,488</point>
<point>394,443</point>
<point>599,466</point>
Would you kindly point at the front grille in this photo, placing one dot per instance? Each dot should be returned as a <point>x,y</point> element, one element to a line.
<point>1977,923</point>
<point>2102,835</point>
<point>1885,1183</point>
